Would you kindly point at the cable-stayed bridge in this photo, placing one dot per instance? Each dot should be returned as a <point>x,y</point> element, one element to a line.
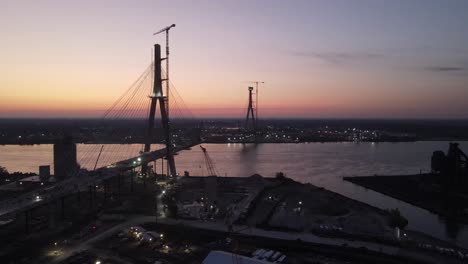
<point>139,101</point>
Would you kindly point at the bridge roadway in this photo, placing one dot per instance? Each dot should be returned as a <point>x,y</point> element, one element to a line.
<point>80,182</point>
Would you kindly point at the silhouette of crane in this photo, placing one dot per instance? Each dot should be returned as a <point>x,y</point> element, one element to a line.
<point>210,166</point>
<point>165,100</point>
<point>166,30</point>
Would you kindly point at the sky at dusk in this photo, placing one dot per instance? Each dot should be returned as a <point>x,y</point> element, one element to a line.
<point>318,59</point>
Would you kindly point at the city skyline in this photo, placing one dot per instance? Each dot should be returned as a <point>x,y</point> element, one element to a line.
<point>319,59</point>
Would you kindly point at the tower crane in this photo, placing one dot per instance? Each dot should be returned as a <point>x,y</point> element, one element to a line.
<point>170,158</point>
<point>166,30</point>
<point>210,166</point>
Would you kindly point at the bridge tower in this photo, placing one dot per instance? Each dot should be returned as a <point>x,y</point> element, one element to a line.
<point>250,120</point>
<point>156,97</point>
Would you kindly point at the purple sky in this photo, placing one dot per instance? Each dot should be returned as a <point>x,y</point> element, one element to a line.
<point>318,58</point>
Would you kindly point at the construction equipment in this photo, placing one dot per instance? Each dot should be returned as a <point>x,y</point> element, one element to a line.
<point>164,103</point>
<point>210,166</point>
<point>453,167</point>
<point>166,29</point>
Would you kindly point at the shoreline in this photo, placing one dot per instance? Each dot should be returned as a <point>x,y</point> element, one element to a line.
<point>265,142</point>
<point>389,185</point>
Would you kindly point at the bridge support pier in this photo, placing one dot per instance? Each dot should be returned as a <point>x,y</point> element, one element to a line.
<point>27,220</point>
<point>90,196</point>
<point>106,187</point>
<point>62,207</point>
<point>162,167</point>
<point>52,214</point>
<point>132,174</point>
<point>119,182</point>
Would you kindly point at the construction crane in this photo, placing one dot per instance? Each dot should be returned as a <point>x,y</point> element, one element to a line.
<point>169,144</point>
<point>166,29</point>
<point>210,166</point>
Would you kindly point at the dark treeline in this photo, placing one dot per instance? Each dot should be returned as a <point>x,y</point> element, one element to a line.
<point>40,131</point>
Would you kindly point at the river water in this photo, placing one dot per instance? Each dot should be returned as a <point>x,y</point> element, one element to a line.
<point>322,164</point>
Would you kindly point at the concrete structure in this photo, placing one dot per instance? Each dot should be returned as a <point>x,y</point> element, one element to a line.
<point>250,113</point>
<point>44,172</point>
<point>65,164</point>
<point>158,96</point>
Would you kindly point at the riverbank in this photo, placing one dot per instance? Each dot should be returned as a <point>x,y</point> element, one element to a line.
<point>323,165</point>
<point>283,205</point>
<point>421,190</point>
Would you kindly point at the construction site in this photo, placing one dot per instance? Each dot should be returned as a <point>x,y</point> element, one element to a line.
<point>126,211</point>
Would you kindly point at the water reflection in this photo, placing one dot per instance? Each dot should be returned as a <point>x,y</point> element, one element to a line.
<point>248,157</point>
<point>320,164</point>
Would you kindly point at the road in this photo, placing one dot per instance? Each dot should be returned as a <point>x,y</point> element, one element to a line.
<point>245,230</point>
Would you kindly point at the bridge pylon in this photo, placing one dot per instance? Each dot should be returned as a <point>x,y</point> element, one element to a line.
<point>156,97</point>
<point>251,115</point>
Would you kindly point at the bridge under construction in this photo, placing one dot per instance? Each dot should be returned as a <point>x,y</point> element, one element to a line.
<point>130,105</point>
<point>139,101</point>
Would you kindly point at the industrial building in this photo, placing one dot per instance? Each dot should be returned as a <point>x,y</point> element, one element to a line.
<point>65,164</point>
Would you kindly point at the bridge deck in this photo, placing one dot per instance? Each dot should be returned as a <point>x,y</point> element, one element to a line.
<point>81,182</point>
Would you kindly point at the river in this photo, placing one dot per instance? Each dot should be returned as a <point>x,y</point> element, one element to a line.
<point>322,164</point>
